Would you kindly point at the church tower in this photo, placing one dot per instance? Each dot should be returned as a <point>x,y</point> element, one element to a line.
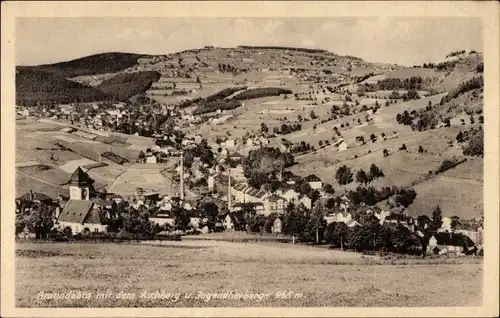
<point>79,185</point>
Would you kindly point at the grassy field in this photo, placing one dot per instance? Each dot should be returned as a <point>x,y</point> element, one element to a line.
<point>316,277</point>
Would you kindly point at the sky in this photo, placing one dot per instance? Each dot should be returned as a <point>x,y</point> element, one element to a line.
<point>404,41</point>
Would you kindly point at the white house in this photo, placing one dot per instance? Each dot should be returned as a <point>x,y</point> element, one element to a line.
<point>151,159</point>
<point>162,218</point>
<point>291,195</point>
<point>342,146</point>
<point>314,181</point>
<point>306,201</point>
<point>274,204</point>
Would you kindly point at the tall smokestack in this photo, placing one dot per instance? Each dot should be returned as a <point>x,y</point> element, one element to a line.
<point>229,203</point>
<point>181,176</point>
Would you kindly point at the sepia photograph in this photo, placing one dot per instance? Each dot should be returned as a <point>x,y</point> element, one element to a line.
<point>233,162</point>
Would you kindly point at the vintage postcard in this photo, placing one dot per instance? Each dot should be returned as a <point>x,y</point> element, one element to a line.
<point>250,159</point>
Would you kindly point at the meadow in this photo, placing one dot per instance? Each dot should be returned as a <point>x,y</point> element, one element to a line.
<point>315,276</point>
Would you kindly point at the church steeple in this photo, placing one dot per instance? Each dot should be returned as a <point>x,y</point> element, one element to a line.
<point>79,185</point>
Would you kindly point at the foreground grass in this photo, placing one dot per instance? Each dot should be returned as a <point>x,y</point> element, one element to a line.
<point>317,277</point>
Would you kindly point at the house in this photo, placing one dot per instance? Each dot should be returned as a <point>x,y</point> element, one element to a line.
<point>306,201</point>
<point>277,225</point>
<point>342,146</point>
<point>293,179</point>
<point>274,204</point>
<point>232,221</point>
<point>291,195</point>
<point>35,197</point>
<point>236,156</point>
<point>108,207</point>
<point>151,159</point>
<point>229,144</point>
<point>82,215</point>
<point>238,174</point>
<point>314,181</point>
<point>115,197</point>
<point>197,218</point>
<point>163,218</point>
<point>447,242</point>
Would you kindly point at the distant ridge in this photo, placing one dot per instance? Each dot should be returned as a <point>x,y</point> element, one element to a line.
<point>283,48</point>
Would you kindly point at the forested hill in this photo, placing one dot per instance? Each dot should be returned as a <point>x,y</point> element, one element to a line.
<point>90,65</point>
<point>33,87</point>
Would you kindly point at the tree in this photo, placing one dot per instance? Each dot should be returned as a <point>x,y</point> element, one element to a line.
<point>141,156</point>
<point>181,219</point>
<point>320,143</point>
<point>475,146</point>
<point>455,221</point>
<point>344,175</point>
<point>460,137</point>
<point>40,221</point>
<point>403,147</point>
<point>481,119</point>
<point>420,149</point>
<point>361,177</point>
<point>328,188</point>
<point>263,128</point>
<point>20,223</point>
<point>375,172</point>
<point>386,153</point>
<point>373,137</point>
<point>210,210</point>
<point>313,115</point>
<point>436,219</point>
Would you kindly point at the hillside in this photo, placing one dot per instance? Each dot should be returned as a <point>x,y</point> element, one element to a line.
<point>126,85</point>
<point>34,87</point>
<point>90,65</point>
<point>312,101</point>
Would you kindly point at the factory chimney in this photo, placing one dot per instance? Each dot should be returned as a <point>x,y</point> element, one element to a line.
<point>181,177</point>
<point>229,203</point>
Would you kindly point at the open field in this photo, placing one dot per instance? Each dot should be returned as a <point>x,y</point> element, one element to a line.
<point>327,278</point>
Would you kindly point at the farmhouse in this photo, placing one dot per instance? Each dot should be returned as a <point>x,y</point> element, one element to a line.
<point>447,242</point>
<point>314,181</point>
<point>35,197</point>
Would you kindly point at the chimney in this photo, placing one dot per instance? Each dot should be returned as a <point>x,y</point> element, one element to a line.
<point>181,177</point>
<point>229,203</point>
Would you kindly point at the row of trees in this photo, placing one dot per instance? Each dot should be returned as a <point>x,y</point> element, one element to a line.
<point>344,175</point>
<point>286,129</point>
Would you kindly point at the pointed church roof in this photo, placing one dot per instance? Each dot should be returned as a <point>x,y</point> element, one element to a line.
<point>80,177</point>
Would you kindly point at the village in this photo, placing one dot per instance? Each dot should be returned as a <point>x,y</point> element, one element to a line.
<point>303,208</point>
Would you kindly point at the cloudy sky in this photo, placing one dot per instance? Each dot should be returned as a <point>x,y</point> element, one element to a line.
<point>404,41</point>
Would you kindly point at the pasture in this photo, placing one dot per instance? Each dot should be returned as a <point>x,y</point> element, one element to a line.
<point>320,277</point>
